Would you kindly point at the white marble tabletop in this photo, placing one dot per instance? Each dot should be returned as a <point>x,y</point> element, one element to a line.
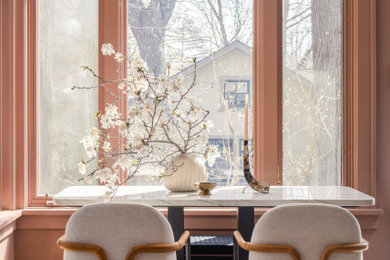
<point>236,196</point>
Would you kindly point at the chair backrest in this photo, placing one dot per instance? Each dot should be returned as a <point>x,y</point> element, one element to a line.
<point>117,228</point>
<point>307,227</point>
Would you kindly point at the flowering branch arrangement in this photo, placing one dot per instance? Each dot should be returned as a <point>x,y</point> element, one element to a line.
<point>162,121</point>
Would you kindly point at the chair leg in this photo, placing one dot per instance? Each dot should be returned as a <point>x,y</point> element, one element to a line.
<point>188,249</point>
<point>236,249</point>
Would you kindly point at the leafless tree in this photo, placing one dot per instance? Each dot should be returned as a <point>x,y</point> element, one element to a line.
<point>312,92</point>
<point>148,22</point>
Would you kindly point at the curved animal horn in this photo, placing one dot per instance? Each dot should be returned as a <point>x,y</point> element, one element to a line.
<point>259,186</point>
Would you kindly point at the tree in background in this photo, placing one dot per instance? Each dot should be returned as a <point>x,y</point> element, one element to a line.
<point>312,51</point>
<point>148,21</point>
<point>191,28</point>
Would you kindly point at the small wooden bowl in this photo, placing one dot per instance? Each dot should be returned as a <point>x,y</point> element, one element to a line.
<point>205,187</point>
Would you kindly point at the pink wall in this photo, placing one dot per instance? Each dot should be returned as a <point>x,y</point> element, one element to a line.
<point>7,248</point>
<point>380,239</point>
<point>36,235</point>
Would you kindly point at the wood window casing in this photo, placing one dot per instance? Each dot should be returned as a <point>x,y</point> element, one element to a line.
<point>18,93</point>
<point>359,99</point>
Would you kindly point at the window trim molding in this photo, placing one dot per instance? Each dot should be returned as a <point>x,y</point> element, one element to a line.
<point>113,14</point>
<point>359,126</point>
<point>18,175</point>
<point>359,99</point>
<point>267,78</point>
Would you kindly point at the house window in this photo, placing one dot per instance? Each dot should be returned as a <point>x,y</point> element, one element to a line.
<point>234,92</point>
<point>220,171</point>
<point>312,92</point>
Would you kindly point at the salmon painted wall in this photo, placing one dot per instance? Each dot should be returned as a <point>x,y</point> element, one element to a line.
<point>7,248</point>
<point>380,239</point>
<point>36,235</point>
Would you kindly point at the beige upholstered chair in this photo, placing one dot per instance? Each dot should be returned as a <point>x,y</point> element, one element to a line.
<point>307,232</point>
<point>111,231</point>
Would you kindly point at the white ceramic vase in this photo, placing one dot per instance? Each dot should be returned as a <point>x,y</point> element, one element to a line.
<point>183,171</point>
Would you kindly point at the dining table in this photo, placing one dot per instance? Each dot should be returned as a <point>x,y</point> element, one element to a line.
<point>241,197</point>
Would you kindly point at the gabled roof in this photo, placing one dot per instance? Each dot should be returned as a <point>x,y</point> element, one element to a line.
<point>215,55</point>
<point>244,48</point>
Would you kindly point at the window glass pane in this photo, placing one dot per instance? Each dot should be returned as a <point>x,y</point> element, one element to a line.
<point>67,39</point>
<point>312,91</point>
<point>219,34</point>
<point>242,87</point>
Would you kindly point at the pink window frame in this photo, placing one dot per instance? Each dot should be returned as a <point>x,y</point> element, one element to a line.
<point>359,104</point>
<point>112,14</point>
<point>18,173</point>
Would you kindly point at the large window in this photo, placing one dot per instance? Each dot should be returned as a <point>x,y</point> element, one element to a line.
<point>219,35</point>
<point>67,39</point>
<point>312,92</point>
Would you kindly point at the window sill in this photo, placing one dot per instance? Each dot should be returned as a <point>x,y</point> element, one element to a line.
<point>8,217</point>
<point>8,222</point>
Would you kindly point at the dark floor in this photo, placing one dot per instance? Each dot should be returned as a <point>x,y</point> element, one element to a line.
<point>211,247</point>
<point>211,258</point>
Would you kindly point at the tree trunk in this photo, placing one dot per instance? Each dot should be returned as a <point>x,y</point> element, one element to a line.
<point>148,24</point>
<point>326,32</point>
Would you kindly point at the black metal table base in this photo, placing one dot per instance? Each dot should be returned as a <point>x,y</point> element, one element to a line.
<point>246,221</point>
<point>176,219</point>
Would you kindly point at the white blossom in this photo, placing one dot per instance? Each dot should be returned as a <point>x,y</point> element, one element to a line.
<point>139,64</point>
<point>207,125</point>
<point>119,57</point>
<point>148,106</point>
<point>212,155</point>
<point>132,113</point>
<point>122,162</point>
<point>105,122</point>
<point>106,146</point>
<point>203,138</point>
<point>88,179</point>
<point>110,118</point>
<point>123,128</point>
<point>175,86</point>
<point>83,70</point>
<point>107,176</point>
<point>162,120</point>
<point>107,49</point>
<point>90,142</point>
<point>141,85</point>
<point>122,85</point>
<point>82,168</point>
<point>194,114</point>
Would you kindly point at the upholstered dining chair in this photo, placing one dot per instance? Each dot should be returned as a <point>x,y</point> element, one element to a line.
<point>305,231</point>
<point>113,231</point>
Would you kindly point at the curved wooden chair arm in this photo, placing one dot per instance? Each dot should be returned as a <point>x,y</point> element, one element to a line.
<point>344,248</point>
<point>266,248</point>
<point>159,248</point>
<point>82,247</point>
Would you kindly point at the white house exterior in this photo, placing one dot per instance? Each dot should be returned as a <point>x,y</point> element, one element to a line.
<point>216,76</point>
<point>223,79</point>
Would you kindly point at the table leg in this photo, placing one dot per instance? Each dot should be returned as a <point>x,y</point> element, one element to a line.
<point>176,219</point>
<point>246,222</point>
